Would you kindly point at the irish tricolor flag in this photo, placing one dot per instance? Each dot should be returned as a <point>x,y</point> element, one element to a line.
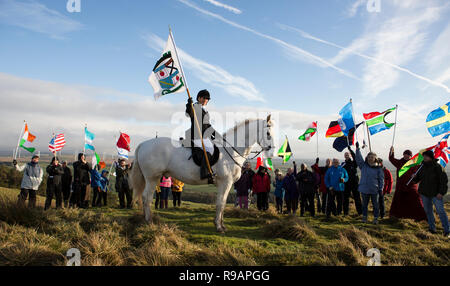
<point>312,129</point>
<point>27,139</point>
<point>96,161</point>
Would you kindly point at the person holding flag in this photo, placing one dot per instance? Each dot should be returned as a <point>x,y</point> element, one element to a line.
<point>406,202</point>
<point>433,181</point>
<point>81,180</point>
<point>31,180</point>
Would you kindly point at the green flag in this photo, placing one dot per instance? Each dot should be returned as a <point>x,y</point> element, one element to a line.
<point>285,151</point>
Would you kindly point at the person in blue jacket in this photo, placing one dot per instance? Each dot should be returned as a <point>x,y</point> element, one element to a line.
<point>95,183</point>
<point>335,179</point>
<point>290,185</point>
<point>371,182</point>
<point>279,191</point>
<point>103,191</point>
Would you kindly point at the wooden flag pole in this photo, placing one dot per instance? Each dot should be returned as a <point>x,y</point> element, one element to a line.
<point>20,137</point>
<point>317,139</point>
<point>192,105</point>
<point>395,126</point>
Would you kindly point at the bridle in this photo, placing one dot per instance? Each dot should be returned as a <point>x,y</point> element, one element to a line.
<point>240,155</point>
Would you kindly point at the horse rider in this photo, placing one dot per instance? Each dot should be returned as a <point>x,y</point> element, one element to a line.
<point>208,132</point>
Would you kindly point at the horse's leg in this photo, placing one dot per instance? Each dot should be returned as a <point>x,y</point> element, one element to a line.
<point>147,198</point>
<point>223,188</point>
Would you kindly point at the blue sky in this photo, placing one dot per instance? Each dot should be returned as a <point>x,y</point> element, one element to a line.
<point>304,59</point>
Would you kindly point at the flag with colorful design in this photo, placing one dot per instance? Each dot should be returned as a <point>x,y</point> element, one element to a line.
<point>265,163</point>
<point>310,131</point>
<point>88,138</point>
<point>27,139</point>
<point>438,121</point>
<point>441,152</point>
<point>285,151</point>
<point>167,77</point>
<point>123,145</point>
<point>376,121</point>
<point>96,161</point>
<point>346,120</point>
<point>334,130</point>
<point>57,143</point>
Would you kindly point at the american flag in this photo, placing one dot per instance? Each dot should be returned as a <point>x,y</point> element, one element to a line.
<point>57,143</point>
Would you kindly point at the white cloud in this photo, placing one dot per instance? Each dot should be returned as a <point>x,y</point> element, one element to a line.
<point>292,50</point>
<point>36,17</point>
<point>211,74</point>
<point>225,6</point>
<point>353,9</point>
<point>53,107</point>
<point>438,57</point>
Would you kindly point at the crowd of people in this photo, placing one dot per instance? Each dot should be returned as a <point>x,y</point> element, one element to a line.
<point>71,189</point>
<point>327,189</point>
<point>320,189</point>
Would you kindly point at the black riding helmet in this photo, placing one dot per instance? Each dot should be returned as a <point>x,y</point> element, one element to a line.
<point>203,93</point>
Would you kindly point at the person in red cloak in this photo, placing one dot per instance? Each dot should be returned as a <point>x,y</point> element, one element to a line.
<point>406,202</point>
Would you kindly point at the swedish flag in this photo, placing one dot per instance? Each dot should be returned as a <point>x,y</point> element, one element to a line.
<point>438,121</point>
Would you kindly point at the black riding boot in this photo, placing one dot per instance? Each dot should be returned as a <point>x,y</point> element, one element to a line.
<point>204,172</point>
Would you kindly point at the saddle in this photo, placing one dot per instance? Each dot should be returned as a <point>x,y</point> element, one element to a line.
<point>198,156</point>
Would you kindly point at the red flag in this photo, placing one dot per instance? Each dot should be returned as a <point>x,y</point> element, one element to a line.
<point>124,142</point>
<point>259,162</point>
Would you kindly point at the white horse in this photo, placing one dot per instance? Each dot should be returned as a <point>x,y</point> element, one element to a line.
<point>163,156</point>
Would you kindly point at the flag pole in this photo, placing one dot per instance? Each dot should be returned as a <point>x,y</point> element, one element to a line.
<point>192,105</point>
<point>317,139</point>
<point>54,152</point>
<point>112,157</point>
<point>395,126</point>
<point>368,136</point>
<point>353,114</point>
<point>20,137</point>
<point>84,145</point>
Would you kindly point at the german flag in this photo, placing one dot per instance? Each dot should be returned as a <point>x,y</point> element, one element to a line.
<point>334,130</point>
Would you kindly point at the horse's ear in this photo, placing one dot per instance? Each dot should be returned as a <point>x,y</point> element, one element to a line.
<point>268,117</point>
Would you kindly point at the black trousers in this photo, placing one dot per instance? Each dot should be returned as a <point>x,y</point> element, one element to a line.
<point>307,203</point>
<point>352,190</point>
<point>24,194</point>
<point>339,195</point>
<point>125,193</point>
<point>292,205</point>
<point>66,192</point>
<point>330,207</point>
<point>157,199</point>
<point>176,198</point>
<point>78,195</point>
<point>101,196</point>
<point>324,202</point>
<point>279,202</point>
<point>262,202</point>
<point>53,190</point>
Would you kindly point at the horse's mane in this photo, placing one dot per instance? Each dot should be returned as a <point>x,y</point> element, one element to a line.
<point>238,125</point>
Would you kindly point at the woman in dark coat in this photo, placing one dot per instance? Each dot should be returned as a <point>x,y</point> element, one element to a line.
<point>406,202</point>
<point>54,184</point>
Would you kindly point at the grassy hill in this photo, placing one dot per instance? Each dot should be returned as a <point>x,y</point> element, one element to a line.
<point>187,236</point>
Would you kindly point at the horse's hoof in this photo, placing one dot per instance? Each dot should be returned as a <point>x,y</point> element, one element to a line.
<point>220,230</point>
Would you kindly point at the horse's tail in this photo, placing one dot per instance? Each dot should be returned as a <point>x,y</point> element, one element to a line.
<point>137,178</point>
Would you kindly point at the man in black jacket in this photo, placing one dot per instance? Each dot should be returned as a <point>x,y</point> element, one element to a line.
<point>66,183</point>
<point>433,182</point>
<point>54,184</point>
<point>307,190</point>
<point>122,186</point>
<point>351,187</point>
<point>81,180</point>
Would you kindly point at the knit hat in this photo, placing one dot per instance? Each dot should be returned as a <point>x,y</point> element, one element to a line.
<point>429,154</point>
<point>408,152</point>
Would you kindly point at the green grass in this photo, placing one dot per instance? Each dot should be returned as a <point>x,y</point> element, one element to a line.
<point>187,236</point>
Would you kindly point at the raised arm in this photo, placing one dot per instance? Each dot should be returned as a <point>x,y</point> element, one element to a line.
<point>397,163</point>
<point>359,158</point>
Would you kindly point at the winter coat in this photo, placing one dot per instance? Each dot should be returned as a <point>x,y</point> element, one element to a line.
<point>95,179</point>
<point>67,178</point>
<point>244,184</point>
<point>372,178</point>
<point>388,181</point>
<point>401,184</point>
<point>306,182</point>
<point>352,170</point>
<point>202,117</point>
<point>279,190</point>
<point>32,176</point>
<point>55,174</point>
<point>81,173</point>
<point>290,185</point>
<point>177,186</point>
<point>432,180</point>
<point>321,171</point>
<point>104,182</point>
<point>333,178</point>
<point>260,183</point>
<point>122,178</point>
